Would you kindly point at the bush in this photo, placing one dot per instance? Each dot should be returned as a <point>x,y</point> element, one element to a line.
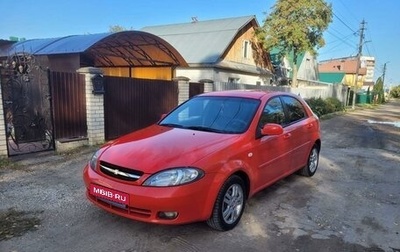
<point>323,107</point>
<point>317,105</point>
<point>395,92</point>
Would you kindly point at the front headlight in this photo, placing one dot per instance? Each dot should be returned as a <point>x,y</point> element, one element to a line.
<point>93,160</point>
<point>174,177</point>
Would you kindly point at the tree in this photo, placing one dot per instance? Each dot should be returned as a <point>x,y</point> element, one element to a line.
<point>295,27</point>
<point>395,92</point>
<point>379,91</point>
<point>117,28</point>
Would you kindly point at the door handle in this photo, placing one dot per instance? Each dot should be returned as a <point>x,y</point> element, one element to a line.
<point>309,126</point>
<point>286,136</point>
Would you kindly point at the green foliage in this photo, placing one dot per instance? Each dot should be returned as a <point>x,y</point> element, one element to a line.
<point>116,28</point>
<point>296,26</point>
<point>323,107</point>
<point>4,162</point>
<point>395,92</point>
<point>333,105</point>
<point>378,91</point>
<point>317,105</point>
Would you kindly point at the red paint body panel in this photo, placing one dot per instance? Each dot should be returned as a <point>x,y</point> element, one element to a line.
<point>178,147</point>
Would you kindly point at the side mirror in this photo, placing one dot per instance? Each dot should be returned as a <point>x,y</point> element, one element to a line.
<point>271,129</point>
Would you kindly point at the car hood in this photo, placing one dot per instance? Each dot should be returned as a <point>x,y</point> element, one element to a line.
<point>157,147</point>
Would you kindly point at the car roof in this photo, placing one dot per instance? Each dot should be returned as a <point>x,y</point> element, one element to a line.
<point>254,94</point>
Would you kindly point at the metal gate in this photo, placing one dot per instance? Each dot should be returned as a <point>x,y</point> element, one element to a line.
<point>131,104</point>
<point>69,105</point>
<point>27,105</point>
<point>195,88</point>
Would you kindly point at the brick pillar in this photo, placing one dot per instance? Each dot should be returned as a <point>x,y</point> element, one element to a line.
<point>3,137</point>
<point>94,107</point>
<point>183,88</point>
<point>208,85</point>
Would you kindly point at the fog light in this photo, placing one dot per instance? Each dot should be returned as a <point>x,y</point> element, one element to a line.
<point>167,215</point>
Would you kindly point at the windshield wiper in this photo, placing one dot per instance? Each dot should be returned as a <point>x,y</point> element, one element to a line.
<point>172,125</point>
<point>202,128</point>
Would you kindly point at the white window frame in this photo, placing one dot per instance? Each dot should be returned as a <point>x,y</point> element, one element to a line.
<point>246,52</point>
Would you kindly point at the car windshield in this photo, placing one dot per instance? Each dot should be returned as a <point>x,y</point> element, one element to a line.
<point>230,115</point>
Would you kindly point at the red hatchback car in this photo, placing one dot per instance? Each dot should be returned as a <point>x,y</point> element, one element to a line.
<point>203,160</point>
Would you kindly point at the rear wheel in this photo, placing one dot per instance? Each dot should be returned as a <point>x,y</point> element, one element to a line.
<point>312,163</point>
<point>229,206</point>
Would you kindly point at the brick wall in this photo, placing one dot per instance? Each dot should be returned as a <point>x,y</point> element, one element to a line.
<point>3,138</point>
<point>94,108</point>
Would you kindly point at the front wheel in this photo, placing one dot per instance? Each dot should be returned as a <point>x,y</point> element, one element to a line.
<point>312,163</point>
<point>229,206</point>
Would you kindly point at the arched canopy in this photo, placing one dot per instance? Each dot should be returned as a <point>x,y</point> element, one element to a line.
<point>134,49</point>
<point>121,49</point>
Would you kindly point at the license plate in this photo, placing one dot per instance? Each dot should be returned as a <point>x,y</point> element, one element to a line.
<point>109,194</point>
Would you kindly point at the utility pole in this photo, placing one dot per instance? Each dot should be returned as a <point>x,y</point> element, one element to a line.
<point>360,44</point>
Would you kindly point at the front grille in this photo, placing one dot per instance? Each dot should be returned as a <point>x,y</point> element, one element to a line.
<point>119,172</point>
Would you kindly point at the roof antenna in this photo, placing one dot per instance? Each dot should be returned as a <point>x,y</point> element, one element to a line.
<point>194,20</point>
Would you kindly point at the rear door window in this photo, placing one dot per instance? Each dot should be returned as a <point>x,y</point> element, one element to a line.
<point>294,108</point>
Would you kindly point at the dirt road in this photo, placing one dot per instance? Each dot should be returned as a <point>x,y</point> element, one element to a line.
<point>351,204</point>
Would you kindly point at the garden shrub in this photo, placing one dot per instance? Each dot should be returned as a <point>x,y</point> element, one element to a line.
<point>323,107</point>
<point>334,104</point>
<point>317,105</point>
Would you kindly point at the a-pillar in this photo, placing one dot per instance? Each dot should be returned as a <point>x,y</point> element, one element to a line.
<point>94,107</point>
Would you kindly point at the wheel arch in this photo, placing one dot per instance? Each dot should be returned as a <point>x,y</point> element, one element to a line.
<point>318,144</point>
<point>220,179</point>
<point>243,175</point>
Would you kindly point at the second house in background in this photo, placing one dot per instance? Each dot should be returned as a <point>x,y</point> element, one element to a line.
<point>223,50</point>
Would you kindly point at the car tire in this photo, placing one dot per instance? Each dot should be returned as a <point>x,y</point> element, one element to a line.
<point>312,163</point>
<point>229,205</point>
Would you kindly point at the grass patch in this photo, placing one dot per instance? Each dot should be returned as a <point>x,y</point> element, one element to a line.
<point>16,223</point>
<point>5,162</point>
<point>367,106</point>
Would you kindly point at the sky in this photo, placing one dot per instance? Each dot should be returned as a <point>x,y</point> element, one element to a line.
<point>32,19</point>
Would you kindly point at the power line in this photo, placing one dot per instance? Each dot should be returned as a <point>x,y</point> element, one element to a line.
<point>342,39</point>
<point>372,43</point>
<point>340,42</point>
<point>351,29</point>
<point>351,14</point>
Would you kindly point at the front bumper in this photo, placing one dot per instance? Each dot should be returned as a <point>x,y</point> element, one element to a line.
<point>193,202</point>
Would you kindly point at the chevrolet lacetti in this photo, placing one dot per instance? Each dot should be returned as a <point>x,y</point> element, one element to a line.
<point>203,160</point>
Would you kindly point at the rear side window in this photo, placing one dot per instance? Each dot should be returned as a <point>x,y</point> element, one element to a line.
<point>294,108</point>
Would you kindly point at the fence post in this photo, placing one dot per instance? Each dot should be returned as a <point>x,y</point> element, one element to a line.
<point>94,106</point>
<point>183,88</point>
<point>208,85</point>
<point>3,137</point>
